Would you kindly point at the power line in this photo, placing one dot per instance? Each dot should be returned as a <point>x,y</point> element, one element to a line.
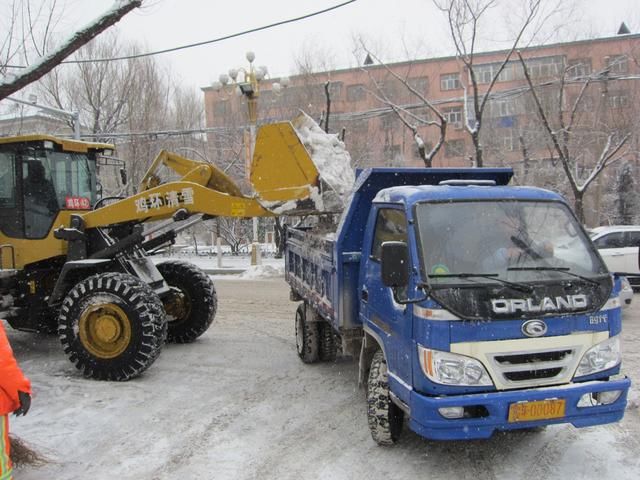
<point>206,42</point>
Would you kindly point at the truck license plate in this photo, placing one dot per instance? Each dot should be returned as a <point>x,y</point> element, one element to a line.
<point>542,410</point>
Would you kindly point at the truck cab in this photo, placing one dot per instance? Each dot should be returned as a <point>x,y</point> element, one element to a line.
<point>474,316</point>
<point>490,304</point>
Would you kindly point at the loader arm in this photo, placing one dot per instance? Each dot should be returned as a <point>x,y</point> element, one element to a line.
<point>212,176</point>
<point>165,200</point>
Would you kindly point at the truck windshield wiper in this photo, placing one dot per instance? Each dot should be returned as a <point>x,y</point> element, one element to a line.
<point>566,270</point>
<point>491,276</point>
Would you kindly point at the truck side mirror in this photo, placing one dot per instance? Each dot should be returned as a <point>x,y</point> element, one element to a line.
<point>395,264</point>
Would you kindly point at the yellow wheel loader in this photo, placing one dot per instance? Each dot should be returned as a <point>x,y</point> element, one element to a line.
<point>79,266</point>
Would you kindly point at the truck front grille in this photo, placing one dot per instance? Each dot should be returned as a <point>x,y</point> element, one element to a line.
<point>533,366</point>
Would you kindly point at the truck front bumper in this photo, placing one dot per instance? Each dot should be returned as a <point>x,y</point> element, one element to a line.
<point>426,420</point>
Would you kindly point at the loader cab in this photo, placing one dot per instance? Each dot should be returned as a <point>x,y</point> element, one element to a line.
<point>40,176</point>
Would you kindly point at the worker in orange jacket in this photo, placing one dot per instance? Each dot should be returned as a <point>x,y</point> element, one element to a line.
<point>15,396</point>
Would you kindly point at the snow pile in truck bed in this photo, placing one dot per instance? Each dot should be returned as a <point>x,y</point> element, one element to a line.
<point>332,161</point>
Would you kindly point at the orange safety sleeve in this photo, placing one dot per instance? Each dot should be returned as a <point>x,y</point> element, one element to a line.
<point>12,379</point>
<point>6,468</point>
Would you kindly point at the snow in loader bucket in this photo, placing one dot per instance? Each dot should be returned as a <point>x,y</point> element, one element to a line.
<point>299,169</point>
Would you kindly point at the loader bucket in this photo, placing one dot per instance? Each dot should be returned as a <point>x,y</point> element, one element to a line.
<point>299,169</point>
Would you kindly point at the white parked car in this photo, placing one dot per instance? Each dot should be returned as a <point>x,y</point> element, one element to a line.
<point>626,292</point>
<point>618,246</point>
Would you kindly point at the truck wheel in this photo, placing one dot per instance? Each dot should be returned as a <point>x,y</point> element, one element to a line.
<point>328,347</point>
<point>191,306</point>
<point>385,418</point>
<point>112,326</point>
<point>307,337</point>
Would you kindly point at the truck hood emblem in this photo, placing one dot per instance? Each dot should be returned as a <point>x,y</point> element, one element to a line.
<point>534,328</point>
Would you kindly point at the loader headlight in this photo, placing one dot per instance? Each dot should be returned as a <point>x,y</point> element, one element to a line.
<point>452,369</point>
<point>600,357</point>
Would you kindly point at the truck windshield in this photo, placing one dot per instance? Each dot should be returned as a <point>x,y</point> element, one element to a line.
<point>484,242</point>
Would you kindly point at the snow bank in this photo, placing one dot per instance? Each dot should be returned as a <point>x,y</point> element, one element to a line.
<point>263,271</point>
<point>331,159</point>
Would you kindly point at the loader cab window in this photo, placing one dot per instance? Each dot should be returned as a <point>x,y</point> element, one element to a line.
<point>7,181</point>
<point>53,181</point>
<point>391,226</point>
<point>39,196</point>
<point>74,177</point>
<point>10,215</point>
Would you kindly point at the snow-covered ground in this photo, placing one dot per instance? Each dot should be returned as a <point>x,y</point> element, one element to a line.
<point>232,265</point>
<point>238,404</point>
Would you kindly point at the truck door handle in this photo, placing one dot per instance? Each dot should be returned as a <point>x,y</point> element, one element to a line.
<point>365,295</point>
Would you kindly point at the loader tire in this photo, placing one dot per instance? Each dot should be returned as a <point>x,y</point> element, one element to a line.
<point>191,306</point>
<point>112,326</point>
<point>307,337</point>
<point>328,347</point>
<point>385,418</point>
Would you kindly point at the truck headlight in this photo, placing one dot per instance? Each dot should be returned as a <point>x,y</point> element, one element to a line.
<point>452,369</point>
<point>600,357</point>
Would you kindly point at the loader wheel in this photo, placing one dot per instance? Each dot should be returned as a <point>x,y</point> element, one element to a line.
<point>112,326</point>
<point>191,306</point>
<point>328,347</point>
<point>385,418</point>
<point>307,337</point>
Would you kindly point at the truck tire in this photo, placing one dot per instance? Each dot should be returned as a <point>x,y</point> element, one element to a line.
<point>328,347</point>
<point>112,326</point>
<point>385,418</point>
<point>307,337</point>
<point>192,304</point>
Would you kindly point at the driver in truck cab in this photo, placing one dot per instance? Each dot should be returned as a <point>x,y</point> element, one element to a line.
<point>511,244</point>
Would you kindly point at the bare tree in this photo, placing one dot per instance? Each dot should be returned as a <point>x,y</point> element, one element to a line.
<point>100,91</point>
<point>48,59</point>
<point>464,19</point>
<point>409,118</point>
<point>565,142</point>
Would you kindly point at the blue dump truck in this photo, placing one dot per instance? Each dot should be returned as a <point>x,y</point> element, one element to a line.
<point>472,306</point>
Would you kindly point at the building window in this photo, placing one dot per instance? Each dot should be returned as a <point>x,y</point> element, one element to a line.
<point>220,108</point>
<point>359,127</point>
<point>453,116</point>
<point>506,139</point>
<point>501,108</point>
<point>450,81</point>
<point>454,148</point>
<point>618,99</point>
<point>579,67</point>
<point>355,93</point>
<point>335,90</point>
<point>617,63</point>
<point>420,84</point>
<point>486,73</point>
<point>387,121</point>
<point>544,67</point>
<point>393,154</point>
<point>586,103</point>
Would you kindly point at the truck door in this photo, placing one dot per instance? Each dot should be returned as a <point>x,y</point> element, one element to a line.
<point>390,320</point>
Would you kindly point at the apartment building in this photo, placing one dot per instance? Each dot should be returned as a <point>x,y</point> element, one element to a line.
<point>511,127</point>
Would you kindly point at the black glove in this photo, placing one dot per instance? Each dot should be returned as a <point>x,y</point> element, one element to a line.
<point>25,403</point>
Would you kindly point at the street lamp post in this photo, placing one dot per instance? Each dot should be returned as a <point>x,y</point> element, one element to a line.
<point>250,88</point>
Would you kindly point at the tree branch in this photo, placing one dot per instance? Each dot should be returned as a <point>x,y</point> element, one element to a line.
<point>47,63</point>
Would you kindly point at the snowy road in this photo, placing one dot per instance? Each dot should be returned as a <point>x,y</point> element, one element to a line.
<point>238,404</point>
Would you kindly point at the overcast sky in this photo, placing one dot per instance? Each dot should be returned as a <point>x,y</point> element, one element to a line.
<point>395,29</point>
